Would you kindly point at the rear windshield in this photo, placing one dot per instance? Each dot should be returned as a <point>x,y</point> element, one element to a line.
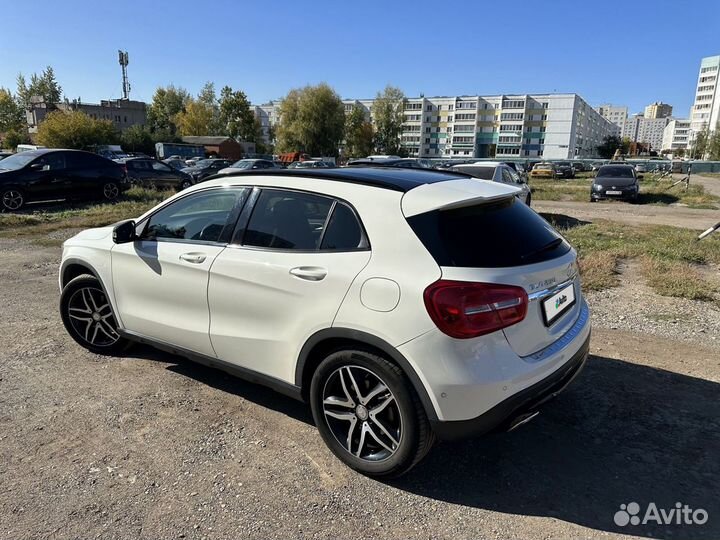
<point>491,235</point>
<point>484,173</point>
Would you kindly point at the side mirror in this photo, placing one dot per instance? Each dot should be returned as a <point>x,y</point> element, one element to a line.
<point>124,232</point>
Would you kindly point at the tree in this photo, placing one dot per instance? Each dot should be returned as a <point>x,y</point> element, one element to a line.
<point>166,104</point>
<point>388,115</point>
<point>196,119</point>
<point>610,144</point>
<point>700,144</point>
<point>713,144</point>
<point>44,85</point>
<point>236,118</point>
<point>209,99</point>
<point>12,116</point>
<point>75,129</point>
<point>12,138</point>
<point>138,138</point>
<point>358,134</point>
<point>312,120</point>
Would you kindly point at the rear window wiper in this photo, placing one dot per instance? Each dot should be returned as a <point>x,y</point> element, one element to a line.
<point>547,247</point>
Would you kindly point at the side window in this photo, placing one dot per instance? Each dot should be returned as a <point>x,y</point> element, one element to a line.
<point>515,176</point>
<point>287,220</point>
<point>506,176</point>
<point>161,167</point>
<point>344,232</point>
<point>199,217</point>
<point>53,161</point>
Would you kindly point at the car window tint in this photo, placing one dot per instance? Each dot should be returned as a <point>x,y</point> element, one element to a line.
<point>483,173</point>
<point>507,177</point>
<point>287,220</point>
<point>156,165</point>
<point>200,217</point>
<point>343,230</point>
<point>53,161</point>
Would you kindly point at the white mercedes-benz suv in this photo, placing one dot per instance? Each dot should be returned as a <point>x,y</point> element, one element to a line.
<point>402,304</point>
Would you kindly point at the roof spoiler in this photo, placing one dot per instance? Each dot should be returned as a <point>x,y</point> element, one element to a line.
<point>453,194</point>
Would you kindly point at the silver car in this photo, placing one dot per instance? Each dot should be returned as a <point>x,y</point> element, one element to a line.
<point>497,172</point>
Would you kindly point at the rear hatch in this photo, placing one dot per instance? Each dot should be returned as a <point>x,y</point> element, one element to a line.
<point>496,239</point>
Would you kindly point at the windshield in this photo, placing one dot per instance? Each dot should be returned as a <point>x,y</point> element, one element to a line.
<point>243,164</point>
<point>543,167</point>
<point>18,161</point>
<point>204,163</point>
<point>562,164</point>
<point>614,172</point>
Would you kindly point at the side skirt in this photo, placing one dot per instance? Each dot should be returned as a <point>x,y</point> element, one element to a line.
<point>249,375</point>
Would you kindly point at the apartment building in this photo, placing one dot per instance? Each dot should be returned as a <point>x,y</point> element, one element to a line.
<point>658,110</point>
<point>553,126</point>
<point>646,130</point>
<point>705,111</point>
<point>617,114</point>
<point>676,135</point>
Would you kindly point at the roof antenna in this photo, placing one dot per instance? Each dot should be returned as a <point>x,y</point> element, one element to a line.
<point>123,60</point>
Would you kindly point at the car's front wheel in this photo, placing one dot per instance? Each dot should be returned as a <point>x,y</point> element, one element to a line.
<point>368,413</point>
<point>88,316</point>
<point>185,184</point>
<point>11,199</point>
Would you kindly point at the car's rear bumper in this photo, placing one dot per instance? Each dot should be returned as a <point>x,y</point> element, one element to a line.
<point>515,409</point>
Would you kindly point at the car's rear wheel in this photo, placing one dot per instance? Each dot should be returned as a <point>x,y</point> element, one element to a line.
<point>110,191</point>
<point>88,316</point>
<point>11,199</point>
<point>185,184</point>
<point>368,413</point>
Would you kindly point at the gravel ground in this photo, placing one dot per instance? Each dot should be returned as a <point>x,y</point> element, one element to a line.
<point>635,307</point>
<point>153,446</point>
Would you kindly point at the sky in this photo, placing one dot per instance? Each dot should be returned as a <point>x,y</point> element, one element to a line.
<point>626,53</point>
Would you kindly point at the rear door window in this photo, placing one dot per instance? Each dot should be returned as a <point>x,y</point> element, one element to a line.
<point>499,234</point>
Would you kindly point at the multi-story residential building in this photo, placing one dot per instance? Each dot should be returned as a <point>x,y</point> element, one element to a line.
<point>658,110</point>
<point>645,130</point>
<point>617,114</point>
<point>705,112</point>
<point>555,126</point>
<point>123,113</point>
<point>676,135</point>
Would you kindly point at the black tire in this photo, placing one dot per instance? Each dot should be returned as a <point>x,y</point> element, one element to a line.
<point>398,405</point>
<point>88,317</point>
<point>184,185</point>
<point>11,199</point>
<point>110,191</point>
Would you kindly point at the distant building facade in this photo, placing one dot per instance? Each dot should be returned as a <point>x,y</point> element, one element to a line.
<point>221,146</point>
<point>658,110</point>
<point>617,114</point>
<point>645,130</point>
<point>705,111</point>
<point>676,135</point>
<point>123,113</point>
<point>551,126</point>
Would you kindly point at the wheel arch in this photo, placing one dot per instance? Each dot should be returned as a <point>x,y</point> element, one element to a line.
<point>320,344</point>
<point>73,268</point>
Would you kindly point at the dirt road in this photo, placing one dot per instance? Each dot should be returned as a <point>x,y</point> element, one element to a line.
<point>632,214</point>
<point>153,446</point>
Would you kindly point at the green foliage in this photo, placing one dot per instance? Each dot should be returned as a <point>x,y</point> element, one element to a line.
<point>196,119</point>
<point>388,115</point>
<point>44,85</point>
<point>13,138</point>
<point>138,139</point>
<point>610,144</point>
<point>312,120</point>
<point>236,118</point>
<point>166,104</point>
<point>209,99</point>
<point>12,116</point>
<point>75,129</point>
<point>700,144</point>
<point>359,134</point>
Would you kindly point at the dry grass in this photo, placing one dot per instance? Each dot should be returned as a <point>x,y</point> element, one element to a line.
<point>670,257</point>
<point>48,219</point>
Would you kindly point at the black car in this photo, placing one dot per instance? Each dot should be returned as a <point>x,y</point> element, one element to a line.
<point>613,182</point>
<point>42,175</point>
<point>206,167</point>
<point>564,169</point>
<point>151,173</point>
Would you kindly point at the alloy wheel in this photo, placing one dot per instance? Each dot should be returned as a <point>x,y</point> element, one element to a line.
<point>12,199</point>
<point>92,318</point>
<point>362,413</point>
<point>111,191</point>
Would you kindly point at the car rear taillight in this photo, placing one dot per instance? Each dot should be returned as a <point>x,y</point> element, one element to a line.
<point>464,309</point>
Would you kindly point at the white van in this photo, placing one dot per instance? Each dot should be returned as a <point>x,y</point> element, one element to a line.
<point>26,147</point>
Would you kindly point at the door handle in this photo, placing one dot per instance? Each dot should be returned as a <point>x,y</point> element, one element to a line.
<point>310,273</point>
<point>194,258</point>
